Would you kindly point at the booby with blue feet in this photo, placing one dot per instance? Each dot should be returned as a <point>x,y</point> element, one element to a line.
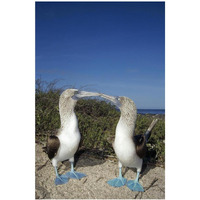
<point>129,148</point>
<point>64,145</point>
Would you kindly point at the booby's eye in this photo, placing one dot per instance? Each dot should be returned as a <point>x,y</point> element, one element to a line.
<point>76,92</point>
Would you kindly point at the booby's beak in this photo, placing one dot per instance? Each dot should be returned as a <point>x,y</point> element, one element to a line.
<point>112,99</point>
<point>81,94</point>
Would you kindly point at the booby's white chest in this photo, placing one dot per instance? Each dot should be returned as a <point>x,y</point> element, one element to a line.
<point>125,148</point>
<point>69,139</point>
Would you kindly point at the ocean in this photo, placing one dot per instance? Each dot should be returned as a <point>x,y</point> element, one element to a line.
<point>151,111</point>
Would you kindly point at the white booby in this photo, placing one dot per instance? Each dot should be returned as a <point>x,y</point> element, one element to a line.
<point>64,145</point>
<point>129,148</point>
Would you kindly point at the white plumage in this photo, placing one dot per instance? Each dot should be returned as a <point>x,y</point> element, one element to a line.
<point>124,145</point>
<point>65,144</point>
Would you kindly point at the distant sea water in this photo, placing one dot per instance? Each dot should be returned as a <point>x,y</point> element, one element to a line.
<point>151,111</point>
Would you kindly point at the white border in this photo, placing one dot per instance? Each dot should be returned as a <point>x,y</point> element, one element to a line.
<point>17,98</point>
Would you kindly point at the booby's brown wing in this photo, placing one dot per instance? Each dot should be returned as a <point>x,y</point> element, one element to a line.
<point>141,140</point>
<point>140,144</point>
<point>53,145</point>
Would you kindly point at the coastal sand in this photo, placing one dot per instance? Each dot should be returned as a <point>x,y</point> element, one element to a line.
<point>94,185</point>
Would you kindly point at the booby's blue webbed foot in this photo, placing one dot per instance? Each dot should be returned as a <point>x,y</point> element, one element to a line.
<point>73,174</point>
<point>61,180</point>
<point>134,185</point>
<point>117,182</point>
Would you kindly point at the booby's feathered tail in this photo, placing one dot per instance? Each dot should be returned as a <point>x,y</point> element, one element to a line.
<point>141,140</point>
<point>148,132</point>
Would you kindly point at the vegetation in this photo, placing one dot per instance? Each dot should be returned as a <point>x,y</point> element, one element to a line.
<point>47,112</point>
<point>97,122</point>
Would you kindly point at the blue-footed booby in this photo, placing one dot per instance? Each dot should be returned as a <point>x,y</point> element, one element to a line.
<point>64,145</point>
<point>129,148</point>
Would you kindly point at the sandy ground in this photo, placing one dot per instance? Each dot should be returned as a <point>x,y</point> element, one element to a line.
<point>94,185</point>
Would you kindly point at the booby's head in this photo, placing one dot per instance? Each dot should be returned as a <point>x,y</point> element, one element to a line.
<point>120,102</point>
<point>115,100</point>
<point>126,103</point>
<point>127,107</point>
<point>68,100</point>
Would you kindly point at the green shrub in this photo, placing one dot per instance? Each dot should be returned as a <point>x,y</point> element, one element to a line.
<point>97,121</point>
<point>47,112</point>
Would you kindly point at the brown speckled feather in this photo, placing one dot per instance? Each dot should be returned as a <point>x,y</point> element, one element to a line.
<point>141,140</point>
<point>53,145</point>
<point>140,144</point>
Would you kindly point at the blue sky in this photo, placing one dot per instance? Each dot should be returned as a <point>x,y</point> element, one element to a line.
<point>114,48</point>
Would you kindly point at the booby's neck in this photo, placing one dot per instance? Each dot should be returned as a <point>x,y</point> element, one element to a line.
<point>128,118</point>
<point>127,121</point>
<point>124,129</point>
<point>66,110</point>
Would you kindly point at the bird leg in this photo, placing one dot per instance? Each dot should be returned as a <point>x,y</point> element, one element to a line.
<point>134,185</point>
<point>73,174</point>
<point>60,179</point>
<point>119,181</point>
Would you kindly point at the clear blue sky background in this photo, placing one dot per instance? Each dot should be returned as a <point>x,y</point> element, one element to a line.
<point>114,48</point>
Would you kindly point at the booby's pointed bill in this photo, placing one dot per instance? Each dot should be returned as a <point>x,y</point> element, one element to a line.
<point>112,99</point>
<point>81,94</point>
